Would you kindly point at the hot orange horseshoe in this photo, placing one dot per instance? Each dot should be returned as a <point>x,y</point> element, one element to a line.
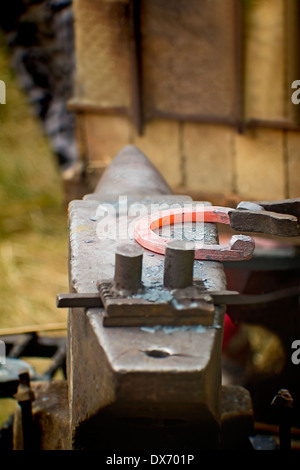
<point>240,247</point>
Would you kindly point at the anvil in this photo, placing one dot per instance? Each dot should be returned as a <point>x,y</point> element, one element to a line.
<point>154,384</point>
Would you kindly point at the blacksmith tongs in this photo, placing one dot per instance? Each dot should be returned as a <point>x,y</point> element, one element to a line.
<point>280,218</point>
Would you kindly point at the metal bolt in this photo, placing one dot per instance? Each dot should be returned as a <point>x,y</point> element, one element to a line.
<point>128,268</point>
<point>283,404</point>
<point>179,264</point>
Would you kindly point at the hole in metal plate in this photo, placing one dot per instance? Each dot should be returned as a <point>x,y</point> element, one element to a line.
<point>157,353</point>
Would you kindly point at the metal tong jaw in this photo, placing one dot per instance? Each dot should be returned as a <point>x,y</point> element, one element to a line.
<point>280,218</point>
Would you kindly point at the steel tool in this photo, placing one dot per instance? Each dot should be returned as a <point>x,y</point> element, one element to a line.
<point>279,218</point>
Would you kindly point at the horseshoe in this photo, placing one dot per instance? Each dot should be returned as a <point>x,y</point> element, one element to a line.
<point>240,247</point>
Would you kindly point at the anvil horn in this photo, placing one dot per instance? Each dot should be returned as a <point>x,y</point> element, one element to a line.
<point>131,173</point>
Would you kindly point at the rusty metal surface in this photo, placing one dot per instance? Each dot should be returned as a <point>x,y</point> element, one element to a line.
<point>154,371</point>
<point>50,415</point>
<point>157,306</point>
<point>128,269</point>
<point>264,222</point>
<point>128,302</point>
<point>284,206</point>
<point>25,396</point>
<point>281,218</point>
<point>121,355</point>
<point>179,264</point>
<point>78,300</point>
<point>237,417</point>
<point>122,303</point>
<point>93,259</point>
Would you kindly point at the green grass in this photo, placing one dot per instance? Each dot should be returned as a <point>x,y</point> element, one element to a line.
<point>33,219</point>
<point>30,182</point>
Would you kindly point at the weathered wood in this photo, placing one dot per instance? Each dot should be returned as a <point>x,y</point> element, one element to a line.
<point>180,40</point>
<point>209,161</point>
<point>293,164</point>
<point>260,164</point>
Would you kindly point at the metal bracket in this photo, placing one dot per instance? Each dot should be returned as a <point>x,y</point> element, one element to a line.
<point>156,305</point>
<point>190,306</point>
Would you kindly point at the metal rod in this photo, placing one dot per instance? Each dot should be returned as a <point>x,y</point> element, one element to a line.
<point>179,264</point>
<point>128,268</point>
<point>25,397</point>
<point>282,404</point>
<point>78,300</point>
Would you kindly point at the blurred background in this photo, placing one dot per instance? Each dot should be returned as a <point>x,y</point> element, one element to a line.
<point>36,147</point>
<point>202,88</point>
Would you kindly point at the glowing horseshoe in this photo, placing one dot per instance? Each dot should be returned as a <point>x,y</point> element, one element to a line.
<point>240,247</point>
